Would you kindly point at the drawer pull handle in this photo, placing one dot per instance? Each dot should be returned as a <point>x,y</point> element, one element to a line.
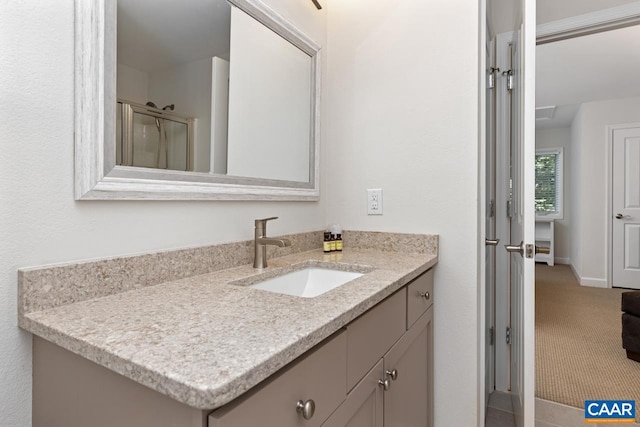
<point>385,384</point>
<point>425,295</point>
<point>307,409</point>
<point>392,373</point>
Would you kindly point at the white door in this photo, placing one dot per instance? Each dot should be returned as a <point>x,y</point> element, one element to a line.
<point>522,247</point>
<point>626,208</point>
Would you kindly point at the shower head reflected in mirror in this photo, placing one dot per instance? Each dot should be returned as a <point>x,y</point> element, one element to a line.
<point>169,107</point>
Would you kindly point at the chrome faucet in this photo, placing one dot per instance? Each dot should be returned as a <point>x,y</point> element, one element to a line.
<point>261,241</point>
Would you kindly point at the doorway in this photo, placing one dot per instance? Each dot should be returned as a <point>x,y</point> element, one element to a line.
<point>514,211</point>
<point>578,258</point>
<point>578,313</point>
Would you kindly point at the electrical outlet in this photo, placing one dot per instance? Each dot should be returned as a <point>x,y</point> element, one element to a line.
<point>374,201</point>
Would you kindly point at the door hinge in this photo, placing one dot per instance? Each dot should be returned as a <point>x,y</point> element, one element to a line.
<point>508,335</point>
<point>529,250</point>
<point>509,74</point>
<point>509,209</point>
<point>491,209</point>
<point>491,83</point>
<point>492,336</point>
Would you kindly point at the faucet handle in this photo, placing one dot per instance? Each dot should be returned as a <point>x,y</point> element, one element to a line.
<point>264,220</point>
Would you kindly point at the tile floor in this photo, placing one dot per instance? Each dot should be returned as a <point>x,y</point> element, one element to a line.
<point>548,414</point>
<point>499,411</point>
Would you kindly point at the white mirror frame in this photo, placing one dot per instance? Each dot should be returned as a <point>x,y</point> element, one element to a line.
<point>97,177</point>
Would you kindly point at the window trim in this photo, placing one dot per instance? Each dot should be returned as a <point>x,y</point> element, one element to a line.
<point>559,213</point>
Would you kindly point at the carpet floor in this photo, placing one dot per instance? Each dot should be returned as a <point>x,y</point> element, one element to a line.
<point>579,352</point>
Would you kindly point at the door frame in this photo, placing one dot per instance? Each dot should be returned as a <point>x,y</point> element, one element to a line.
<point>481,209</point>
<point>503,57</point>
<point>588,23</point>
<point>608,259</point>
<point>607,19</point>
<point>490,220</point>
<point>527,341</point>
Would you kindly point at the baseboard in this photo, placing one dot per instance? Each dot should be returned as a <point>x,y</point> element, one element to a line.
<point>589,281</point>
<point>593,283</point>
<point>563,261</point>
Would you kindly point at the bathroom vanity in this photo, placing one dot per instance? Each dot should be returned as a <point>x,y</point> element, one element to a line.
<point>210,350</point>
<point>376,371</point>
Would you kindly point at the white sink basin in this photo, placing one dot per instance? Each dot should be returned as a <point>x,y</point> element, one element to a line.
<point>307,283</point>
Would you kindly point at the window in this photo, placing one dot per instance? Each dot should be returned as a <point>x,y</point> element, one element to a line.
<point>549,183</point>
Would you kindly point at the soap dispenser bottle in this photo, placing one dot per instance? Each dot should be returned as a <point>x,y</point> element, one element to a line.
<point>326,244</point>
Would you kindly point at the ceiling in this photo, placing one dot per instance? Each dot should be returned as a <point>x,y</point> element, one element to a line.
<point>157,34</point>
<point>589,68</point>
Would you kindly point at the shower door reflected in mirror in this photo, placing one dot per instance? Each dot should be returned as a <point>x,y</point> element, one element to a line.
<point>151,138</point>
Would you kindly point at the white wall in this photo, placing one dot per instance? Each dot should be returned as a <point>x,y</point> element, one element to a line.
<point>589,174</point>
<point>132,85</point>
<point>560,138</point>
<point>40,223</point>
<point>400,119</point>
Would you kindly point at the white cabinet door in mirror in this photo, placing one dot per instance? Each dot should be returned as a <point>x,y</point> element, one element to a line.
<point>269,104</point>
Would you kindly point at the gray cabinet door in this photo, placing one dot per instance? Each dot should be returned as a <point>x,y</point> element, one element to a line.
<point>363,407</point>
<point>373,333</point>
<point>407,402</point>
<point>320,375</point>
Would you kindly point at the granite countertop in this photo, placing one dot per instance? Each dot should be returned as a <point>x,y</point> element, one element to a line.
<point>204,341</point>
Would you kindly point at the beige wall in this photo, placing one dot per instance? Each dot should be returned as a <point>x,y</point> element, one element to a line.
<point>399,119</point>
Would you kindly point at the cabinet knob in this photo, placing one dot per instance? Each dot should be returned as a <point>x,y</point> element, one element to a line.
<point>392,373</point>
<point>425,295</point>
<point>385,384</point>
<point>307,409</point>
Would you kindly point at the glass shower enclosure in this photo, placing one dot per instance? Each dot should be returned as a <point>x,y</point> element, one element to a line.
<point>152,138</point>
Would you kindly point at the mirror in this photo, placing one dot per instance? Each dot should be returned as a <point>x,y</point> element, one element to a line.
<point>205,99</point>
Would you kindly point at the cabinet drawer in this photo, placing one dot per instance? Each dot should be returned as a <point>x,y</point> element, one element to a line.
<point>373,333</point>
<point>319,375</point>
<point>419,296</point>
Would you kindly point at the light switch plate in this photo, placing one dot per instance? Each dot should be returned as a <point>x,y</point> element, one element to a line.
<point>374,201</point>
